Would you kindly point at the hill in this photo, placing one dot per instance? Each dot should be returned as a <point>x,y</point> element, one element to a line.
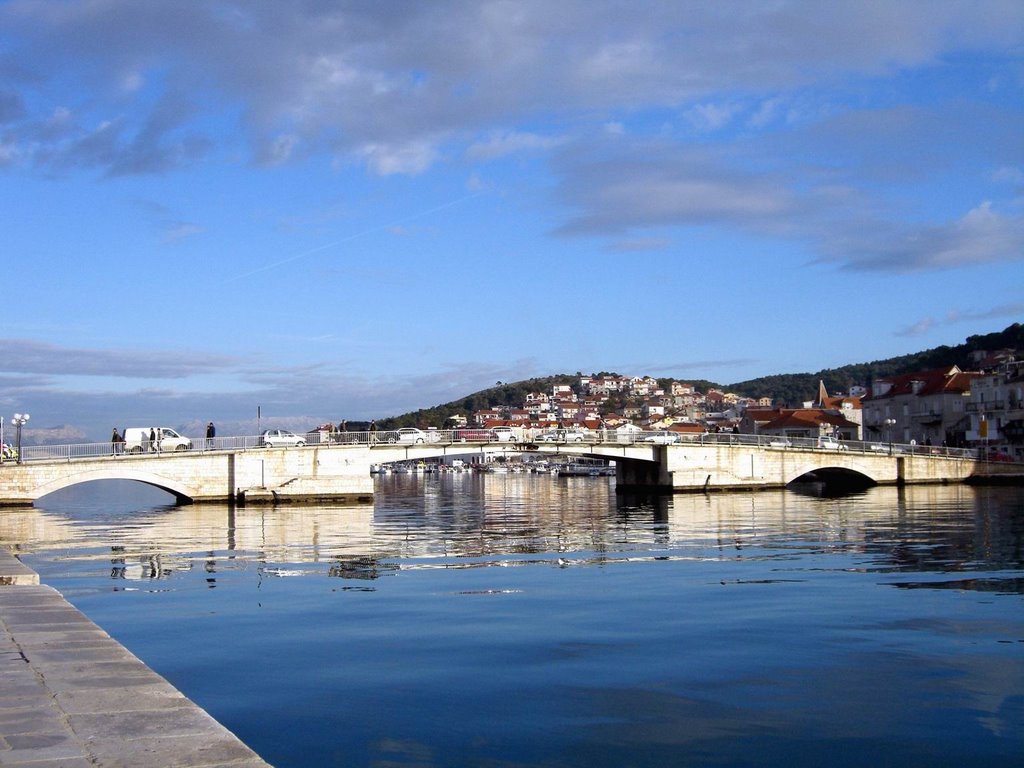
<point>794,388</point>
<point>787,388</point>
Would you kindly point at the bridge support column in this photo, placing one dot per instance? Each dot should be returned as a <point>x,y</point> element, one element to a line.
<point>641,475</point>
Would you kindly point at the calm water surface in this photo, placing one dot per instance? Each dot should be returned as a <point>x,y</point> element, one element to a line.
<point>520,620</point>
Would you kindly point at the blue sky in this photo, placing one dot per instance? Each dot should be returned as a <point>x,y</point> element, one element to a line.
<point>351,210</point>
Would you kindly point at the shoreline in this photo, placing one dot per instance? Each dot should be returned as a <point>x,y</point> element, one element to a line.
<point>74,697</point>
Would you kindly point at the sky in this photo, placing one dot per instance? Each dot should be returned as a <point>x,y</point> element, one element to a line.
<point>314,210</point>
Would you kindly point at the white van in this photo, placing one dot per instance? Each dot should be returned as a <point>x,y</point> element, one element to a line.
<point>136,440</point>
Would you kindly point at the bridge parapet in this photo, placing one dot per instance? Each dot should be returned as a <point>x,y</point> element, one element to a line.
<point>457,437</point>
<point>240,468</point>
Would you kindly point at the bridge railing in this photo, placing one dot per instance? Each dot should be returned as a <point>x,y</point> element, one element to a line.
<point>522,438</point>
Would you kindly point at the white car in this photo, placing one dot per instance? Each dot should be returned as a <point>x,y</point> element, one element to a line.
<point>660,438</point>
<point>831,444</point>
<point>779,442</point>
<point>280,438</point>
<point>504,435</point>
<point>408,435</point>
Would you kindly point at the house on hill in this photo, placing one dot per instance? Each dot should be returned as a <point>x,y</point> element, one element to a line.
<point>927,407</point>
<point>811,423</point>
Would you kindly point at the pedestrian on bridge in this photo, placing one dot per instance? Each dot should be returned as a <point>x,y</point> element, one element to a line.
<point>211,432</point>
<point>116,442</point>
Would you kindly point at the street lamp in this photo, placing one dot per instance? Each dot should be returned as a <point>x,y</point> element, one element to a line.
<point>19,421</point>
<point>888,431</point>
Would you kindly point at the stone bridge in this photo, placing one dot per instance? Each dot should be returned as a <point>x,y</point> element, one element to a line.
<point>341,472</point>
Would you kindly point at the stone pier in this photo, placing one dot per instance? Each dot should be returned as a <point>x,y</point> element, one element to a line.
<point>72,696</point>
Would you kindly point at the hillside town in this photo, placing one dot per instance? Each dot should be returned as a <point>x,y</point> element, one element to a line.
<point>982,407</point>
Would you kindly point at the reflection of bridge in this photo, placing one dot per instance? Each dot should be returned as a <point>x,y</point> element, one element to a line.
<point>232,470</point>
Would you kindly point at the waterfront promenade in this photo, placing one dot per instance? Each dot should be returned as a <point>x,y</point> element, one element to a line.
<point>72,696</point>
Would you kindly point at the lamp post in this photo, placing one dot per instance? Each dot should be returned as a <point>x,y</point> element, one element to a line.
<point>888,431</point>
<point>19,421</point>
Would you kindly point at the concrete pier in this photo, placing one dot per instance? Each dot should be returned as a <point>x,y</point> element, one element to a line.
<point>72,696</point>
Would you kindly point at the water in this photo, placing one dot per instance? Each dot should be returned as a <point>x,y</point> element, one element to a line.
<point>521,620</point>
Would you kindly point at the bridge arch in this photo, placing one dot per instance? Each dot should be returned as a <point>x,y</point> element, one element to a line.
<point>181,493</point>
<point>845,475</point>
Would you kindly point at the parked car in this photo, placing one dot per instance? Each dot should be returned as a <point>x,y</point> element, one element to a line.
<point>830,443</point>
<point>660,438</point>
<point>472,435</point>
<point>883,448</point>
<point>561,436</point>
<point>779,442</point>
<point>280,438</point>
<point>408,435</point>
<point>504,434</point>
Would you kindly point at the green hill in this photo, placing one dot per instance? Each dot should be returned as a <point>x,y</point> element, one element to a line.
<point>784,389</point>
<point>794,388</point>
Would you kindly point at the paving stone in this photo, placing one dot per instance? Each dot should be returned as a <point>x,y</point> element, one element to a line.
<point>88,701</point>
<point>170,752</point>
<point>183,721</point>
<point>72,696</point>
<point>64,762</point>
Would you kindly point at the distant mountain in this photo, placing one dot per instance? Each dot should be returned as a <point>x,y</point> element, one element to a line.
<point>60,435</point>
<point>786,388</point>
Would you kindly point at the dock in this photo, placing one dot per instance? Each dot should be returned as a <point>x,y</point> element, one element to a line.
<point>72,696</point>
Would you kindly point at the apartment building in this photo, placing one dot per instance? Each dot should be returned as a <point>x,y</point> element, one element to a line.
<point>926,407</point>
<point>995,409</point>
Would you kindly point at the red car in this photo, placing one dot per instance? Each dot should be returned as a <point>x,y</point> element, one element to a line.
<point>473,435</point>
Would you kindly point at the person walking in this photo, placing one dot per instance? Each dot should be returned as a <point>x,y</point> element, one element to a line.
<point>115,442</point>
<point>154,443</point>
<point>373,431</point>
<point>211,432</point>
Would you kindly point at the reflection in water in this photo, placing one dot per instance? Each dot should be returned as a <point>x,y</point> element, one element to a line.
<point>518,619</point>
<point>471,519</point>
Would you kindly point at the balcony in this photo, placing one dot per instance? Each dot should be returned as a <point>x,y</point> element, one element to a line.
<point>989,406</point>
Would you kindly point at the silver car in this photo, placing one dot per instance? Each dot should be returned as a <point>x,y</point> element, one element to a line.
<point>560,436</point>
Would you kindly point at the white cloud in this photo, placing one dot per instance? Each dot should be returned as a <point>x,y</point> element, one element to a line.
<point>505,143</point>
<point>1013,309</point>
<point>981,236</point>
<point>656,185</point>
<point>353,77</point>
<point>181,231</point>
<point>640,244</point>
<point>919,328</point>
<point>1009,175</point>
<point>410,159</point>
<point>767,112</point>
<point>711,117</point>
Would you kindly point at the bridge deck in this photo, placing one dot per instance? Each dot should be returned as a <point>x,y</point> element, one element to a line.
<point>239,469</point>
